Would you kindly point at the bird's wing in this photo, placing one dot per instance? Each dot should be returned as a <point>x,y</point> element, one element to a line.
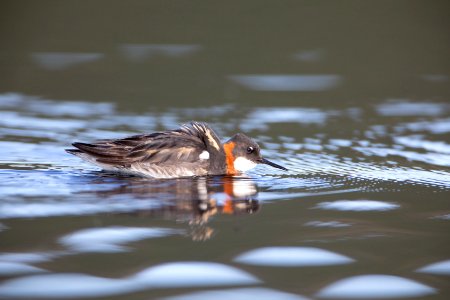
<point>183,145</point>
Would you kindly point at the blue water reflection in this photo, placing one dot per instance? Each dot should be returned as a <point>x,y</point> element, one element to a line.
<point>437,268</point>
<point>111,239</point>
<point>170,275</point>
<point>13,264</point>
<point>285,82</point>
<point>261,118</point>
<point>239,294</point>
<point>54,108</point>
<point>193,274</point>
<point>59,286</point>
<point>16,268</point>
<point>406,108</point>
<point>358,205</point>
<point>292,257</point>
<point>375,287</point>
<point>30,257</point>
<point>437,126</point>
<point>418,141</point>
<point>142,52</point>
<point>15,120</point>
<point>311,56</point>
<point>438,159</point>
<point>56,61</point>
<point>329,224</point>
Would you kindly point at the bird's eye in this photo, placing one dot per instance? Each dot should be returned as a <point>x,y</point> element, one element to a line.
<point>250,150</point>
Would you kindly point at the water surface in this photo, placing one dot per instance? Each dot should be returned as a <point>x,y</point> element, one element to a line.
<point>353,99</point>
<point>371,203</point>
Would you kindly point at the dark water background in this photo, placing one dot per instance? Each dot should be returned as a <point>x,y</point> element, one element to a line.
<point>351,96</point>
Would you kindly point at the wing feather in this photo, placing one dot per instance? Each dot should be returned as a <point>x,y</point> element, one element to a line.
<point>183,145</point>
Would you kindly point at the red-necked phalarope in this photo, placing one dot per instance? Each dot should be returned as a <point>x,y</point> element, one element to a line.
<point>192,150</point>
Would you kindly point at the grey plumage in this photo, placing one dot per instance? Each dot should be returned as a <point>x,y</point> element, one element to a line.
<point>173,153</point>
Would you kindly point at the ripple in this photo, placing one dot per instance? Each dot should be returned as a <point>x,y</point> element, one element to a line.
<point>82,207</point>
<point>192,274</point>
<point>437,159</point>
<point>13,264</point>
<point>14,119</point>
<point>142,52</point>
<point>340,142</point>
<point>261,118</point>
<point>375,287</point>
<point>438,268</point>
<point>313,55</point>
<point>437,126</point>
<point>406,108</point>
<point>16,268</point>
<point>442,217</point>
<point>111,239</point>
<point>418,142</point>
<point>285,82</point>
<point>239,294</point>
<point>329,224</point>
<point>32,104</point>
<point>292,257</point>
<point>170,275</point>
<point>29,154</point>
<point>62,60</point>
<point>358,205</point>
<point>329,165</point>
<point>69,108</point>
<point>65,286</point>
<point>27,257</point>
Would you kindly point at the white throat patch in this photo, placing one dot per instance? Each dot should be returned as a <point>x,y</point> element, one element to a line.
<point>242,164</point>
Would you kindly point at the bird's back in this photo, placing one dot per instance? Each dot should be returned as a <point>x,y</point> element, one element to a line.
<point>187,151</point>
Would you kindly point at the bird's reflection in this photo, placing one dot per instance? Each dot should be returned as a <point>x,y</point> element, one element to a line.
<point>191,200</point>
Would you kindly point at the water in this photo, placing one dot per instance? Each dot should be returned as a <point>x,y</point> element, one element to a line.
<point>359,116</point>
<point>374,203</point>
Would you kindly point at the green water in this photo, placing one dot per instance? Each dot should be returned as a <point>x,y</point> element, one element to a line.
<point>352,97</point>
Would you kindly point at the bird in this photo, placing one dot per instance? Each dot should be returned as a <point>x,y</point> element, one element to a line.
<point>192,150</point>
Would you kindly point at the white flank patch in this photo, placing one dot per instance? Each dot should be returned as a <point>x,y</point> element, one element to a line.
<point>242,164</point>
<point>204,155</point>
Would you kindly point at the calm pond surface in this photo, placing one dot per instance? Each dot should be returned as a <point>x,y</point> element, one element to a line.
<point>353,99</point>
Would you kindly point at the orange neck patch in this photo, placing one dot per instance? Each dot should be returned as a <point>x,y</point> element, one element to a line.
<point>228,148</point>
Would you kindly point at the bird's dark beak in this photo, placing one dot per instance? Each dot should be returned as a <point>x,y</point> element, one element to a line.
<point>268,162</point>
